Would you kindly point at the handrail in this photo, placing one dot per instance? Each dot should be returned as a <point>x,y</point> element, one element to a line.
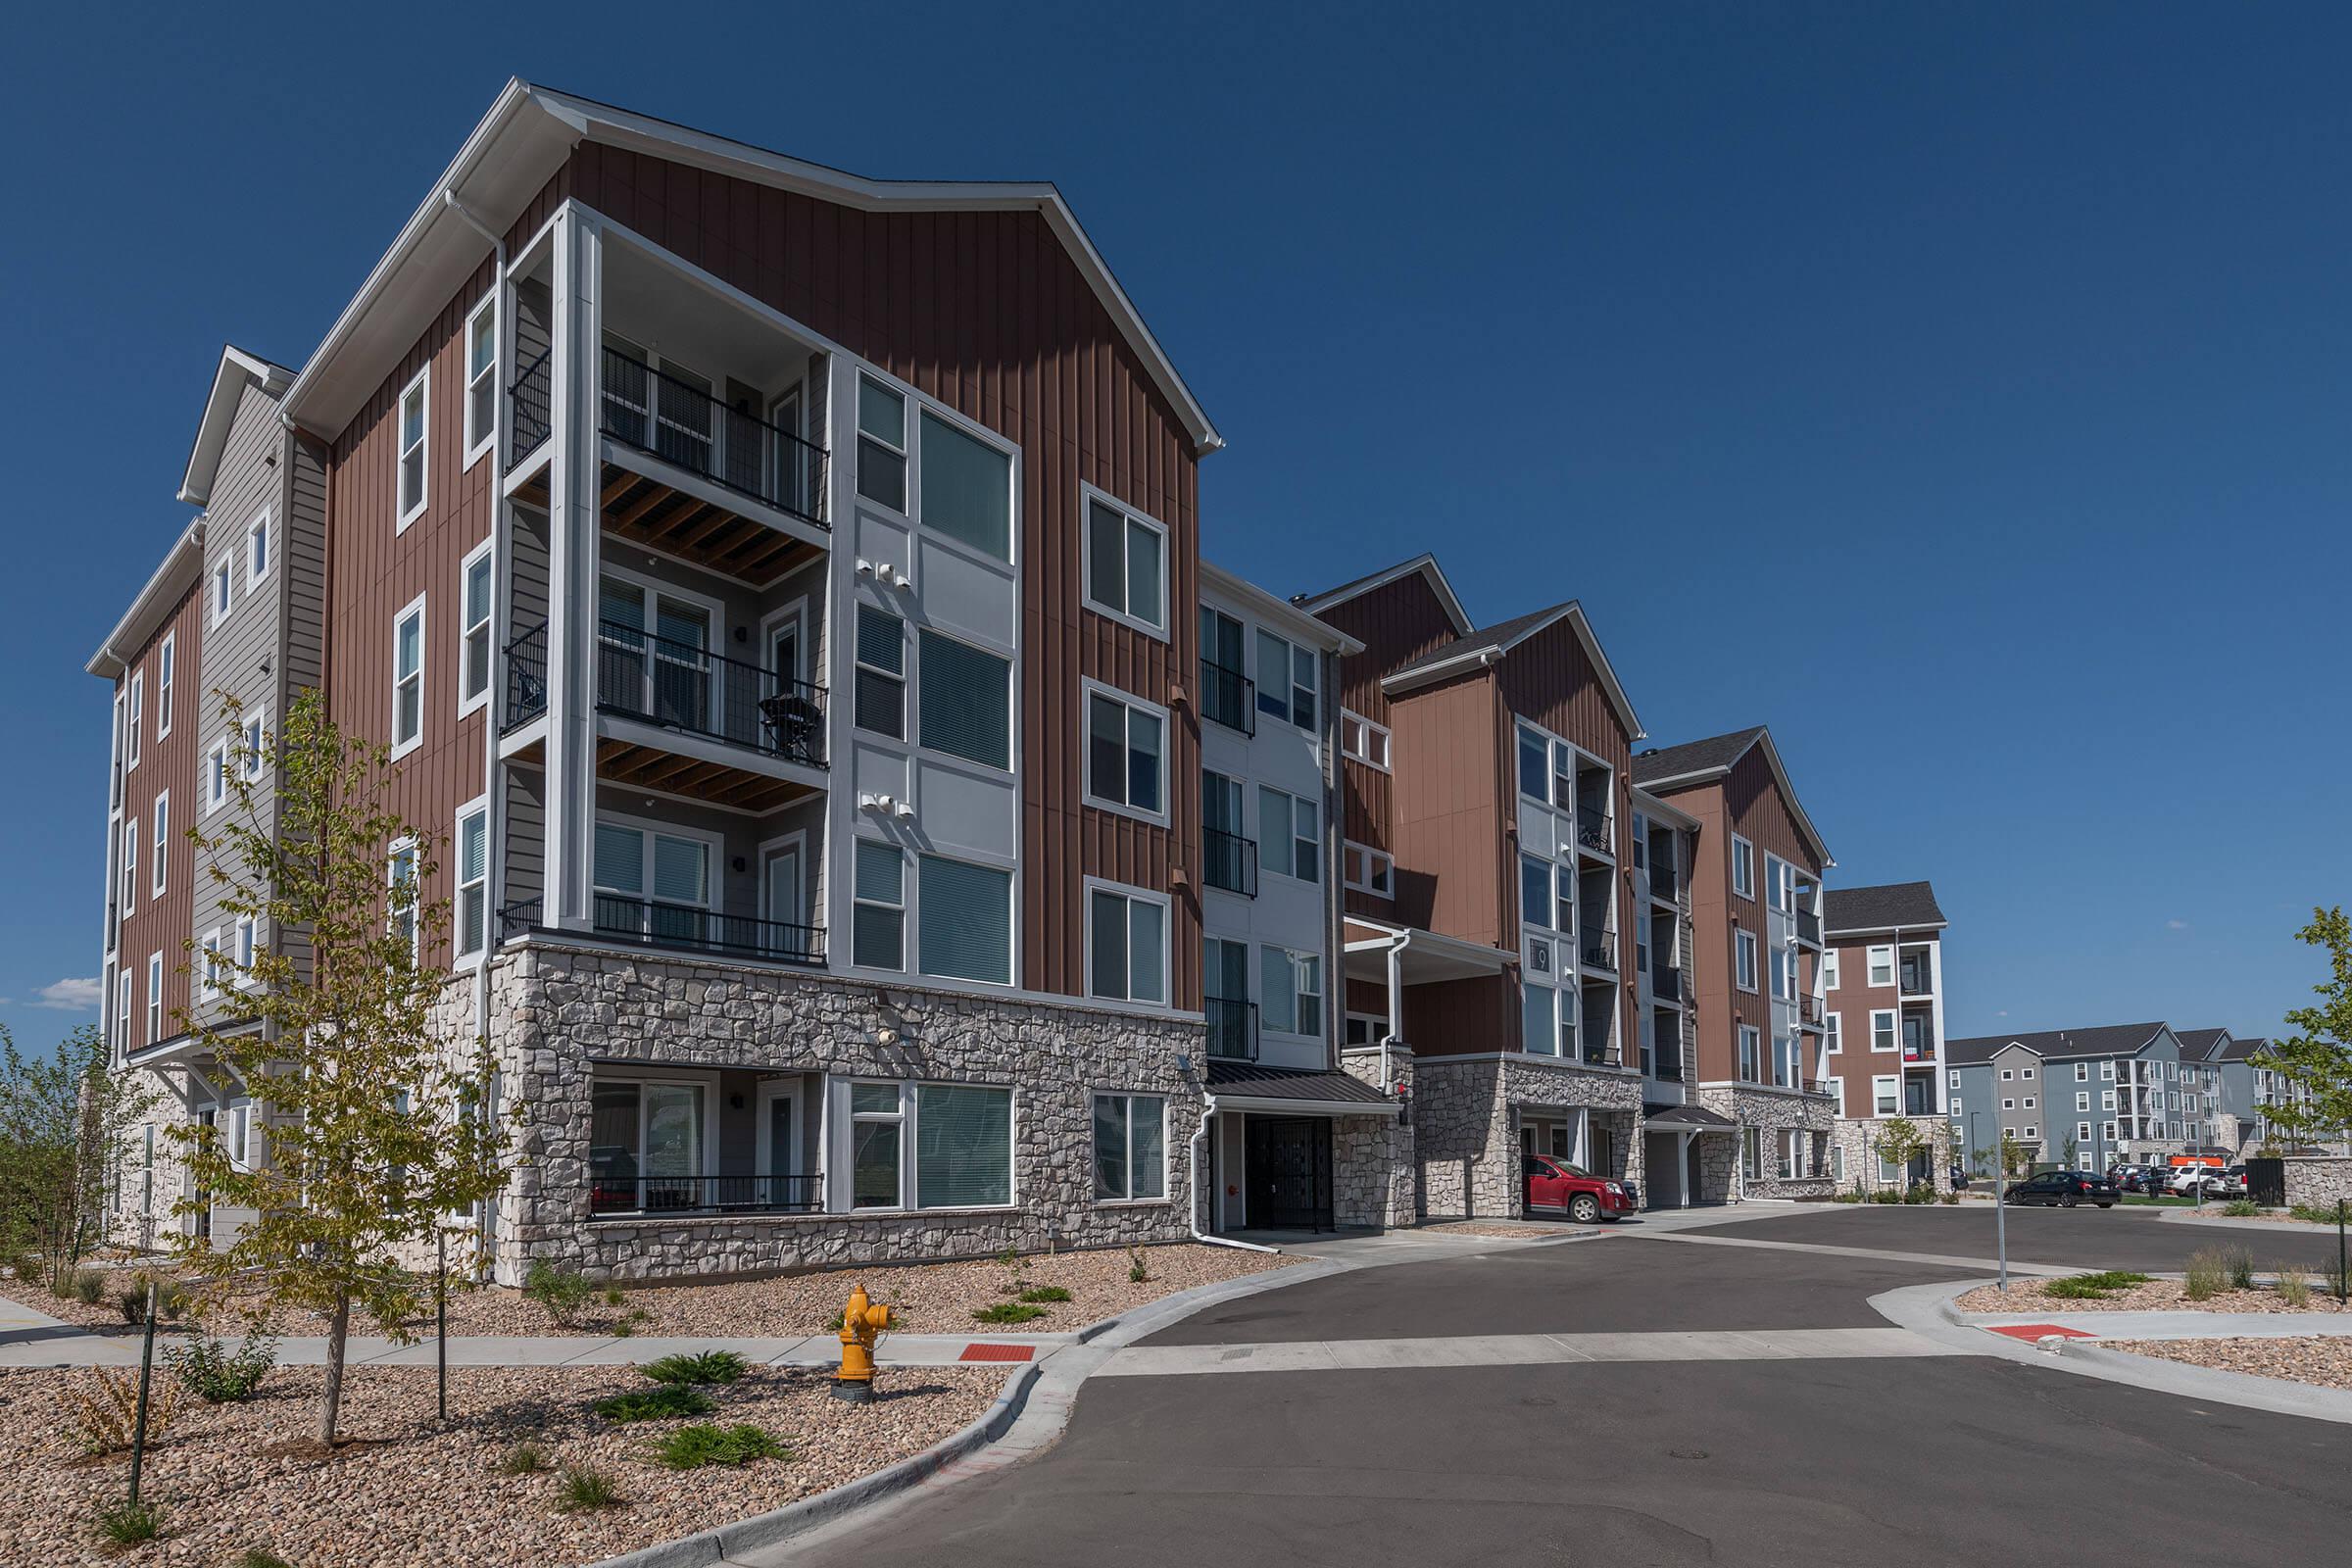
<point>1229,860</point>
<point>684,686</point>
<point>684,424</point>
<point>1231,1029</point>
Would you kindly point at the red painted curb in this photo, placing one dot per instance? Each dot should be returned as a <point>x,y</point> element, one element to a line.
<point>2029,1332</point>
<point>997,1353</point>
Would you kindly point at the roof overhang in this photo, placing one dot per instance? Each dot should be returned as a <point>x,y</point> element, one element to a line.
<point>1889,930</point>
<point>1278,611</point>
<point>1425,565</point>
<point>237,370</point>
<point>181,565</point>
<point>1657,808</point>
<point>520,143</point>
<point>1490,653</point>
<point>1427,957</point>
<point>1780,776</point>
<point>1281,1106</point>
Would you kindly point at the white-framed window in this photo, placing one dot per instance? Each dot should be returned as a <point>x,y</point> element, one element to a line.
<point>1784,974</point>
<point>2028,1103</point>
<point>257,550</point>
<point>122,1020</point>
<point>237,1134</point>
<point>877,1145</point>
<point>1126,754</point>
<point>881,444</point>
<point>402,892</point>
<point>1779,884</point>
<point>1538,1021</point>
<point>1126,564</point>
<point>879,907</point>
<point>408,677</point>
<point>1286,684</point>
<point>1834,1031</point>
<point>471,844</point>
<point>2082,1100</point>
<point>1126,944</point>
<point>1641,842</point>
<point>2106,1100</point>
<point>1752,1053</point>
<point>1886,1094</point>
<point>963,700</point>
<point>949,1145</point>
<point>1829,969</point>
<point>1882,1029</point>
<point>167,656</point>
<point>963,915</point>
<point>135,732</point>
<point>1838,1162</point>
<point>253,743</point>
<point>477,576</point>
<point>1881,965</point>
<point>1743,868</point>
<point>224,591</point>
<point>1743,946</point>
<point>158,873</point>
<point>2082,1072</point>
<point>2024,1072</point>
<point>1131,1147</point>
<point>412,429</point>
<point>2007,1074</point>
<point>207,969</point>
<point>1363,740</point>
<point>2082,1132</point>
<point>130,863</point>
<point>964,485</point>
<point>481,377</point>
<point>1534,766</point>
<point>2108,1128</point>
<point>244,951</point>
<point>1955,1079</point>
<point>1369,870</point>
<point>1291,991</point>
<point>881,673</point>
<point>2028,1134</point>
<point>1534,891</point>
<point>155,998</point>
<point>1751,1153</point>
<point>2008,1104</point>
<point>1292,839</point>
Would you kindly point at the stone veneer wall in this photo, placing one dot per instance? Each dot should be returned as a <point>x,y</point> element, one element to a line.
<point>557,1006</point>
<point>1854,1134</point>
<point>1773,1112</point>
<point>1374,1178</point>
<point>2320,1180</point>
<point>1466,1132</point>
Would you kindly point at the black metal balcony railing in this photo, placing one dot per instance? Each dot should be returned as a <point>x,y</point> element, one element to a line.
<point>1808,1008</point>
<point>683,927</point>
<point>1662,883</point>
<point>685,687</point>
<point>620,1191</point>
<point>1667,1062</point>
<point>1593,828</point>
<point>1229,861</point>
<point>1601,948</point>
<point>684,424</point>
<point>531,406</point>
<point>1599,1055</point>
<point>1808,927</point>
<point>1231,1029</point>
<point>1666,982</point>
<point>526,678</point>
<point>1228,697</point>
<point>1914,980</point>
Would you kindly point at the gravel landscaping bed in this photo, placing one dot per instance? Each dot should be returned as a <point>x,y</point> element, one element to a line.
<point>2323,1360</point>
<point>1472,1227</point>
<point>2157,1296</point>
<point>407,1492</point>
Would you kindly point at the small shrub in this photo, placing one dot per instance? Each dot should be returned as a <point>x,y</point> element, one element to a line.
<point>581,1489</point>
<point>2092,1287</point>
<point>561,1291</point>
<point>2295,1285</point>
<point>1948,1197</point>
<point>1046,1293</point>
<point>2242,1208</point>
<point>2240,1264</point>
<point>103,1414</point>
<point>661,1403</point>
<point>612,1296</point>
<point>261,1558</point>
<point>525,1458</point>
<point>218,1375</point>
<point>87,1286</point>
<point>691,1448</point>
<point>132,1524</point>
<point>2208,1275</point>
<point>635,1318</point>
<point>708,1366</point>
<point>1846,1198</point>
<point>1139,1272</point>
<point>2314,1213</point>
<point>171,1299</point>
<point>1008,1312</point>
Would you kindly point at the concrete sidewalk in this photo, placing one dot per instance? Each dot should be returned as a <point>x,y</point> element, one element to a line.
<point>1516,1349</point>
<point>2176,1325</point>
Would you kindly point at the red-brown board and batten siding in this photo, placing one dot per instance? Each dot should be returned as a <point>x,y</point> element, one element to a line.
<point>154,923</point>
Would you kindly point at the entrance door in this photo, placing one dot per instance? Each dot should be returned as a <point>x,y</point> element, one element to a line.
<point>780,1170</point>
<point>1288,1161</point>
<point>1605,1151</point>
<point>782,901</point>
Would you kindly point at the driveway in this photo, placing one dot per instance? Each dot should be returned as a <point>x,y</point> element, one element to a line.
<point>2123,1237</point>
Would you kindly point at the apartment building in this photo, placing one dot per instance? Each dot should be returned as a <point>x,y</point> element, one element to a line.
<point>2247,1096</point>
<point>2089,1098</point>
<point>1755,908</point>
<point>1491,936</point>
<point>1882,996</point>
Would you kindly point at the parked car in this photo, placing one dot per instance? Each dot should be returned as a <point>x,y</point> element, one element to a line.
<point>2064,1188</point>
<point>2225,1184</point>
<point>2143,1179</point>
<point>1555,1184</point>
<point>2189,1180</point>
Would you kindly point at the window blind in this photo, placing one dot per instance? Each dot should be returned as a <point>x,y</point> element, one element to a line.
<point>962,1145</point>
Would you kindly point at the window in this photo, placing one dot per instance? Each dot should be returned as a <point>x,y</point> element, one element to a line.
<point>1778,884</point>
<point>1882,1029</point>
<point>1751,1153</point>
<point>1752,1053</point>
<point>964,700</point>
<point>1131,1140</point>
<point>1534,891</point>
<point>408,677</point>
<point>224,579</point>
<point>130,863</point>
<point>2106,1100</point>
<point>1363,740</point>
<point>481,378</point>
<point>2008,1104</point>
<point>253,747</point>
<point>2083,1132</point>
<point>166,656</point>
<point>2082,1072</point>
<point>1829,969</point>
<point>475,579</point>
<point>1743,868</point>
<point>1784,975</point>
<point>256,551</point>
<point>155,998</point>
<point>1126,566</point>
<point>1286,681</point>
<point>163,841</point>
<point>2082,1100</point>
<point>409,498</point>
<point>122,1018</point>
<point>1882,966</point>
<point>2029,1102</point>
<point>1126,754</point>
<point>1370,871</point>
<point>2028,1134</point>
<point>962,1145</point>
<point>877,1125</point>
<point>401,881</point>
<point>136,731</point>
<point>1838,1162</point>
<point>966,488</point>
<point>1886,1095</point>
<point>1834,1028</point>
<point>1127,941</point>
<point>244,951</point>
<point>2024,1072</point>
<point>1535,765</point>
<point>473,879</point>
<point>881,672</point>
<point>1290,984</point>
<point>966,920</point>
<point>1224,689</point>
<point>1641,842</point>
<point>1744,948</point>
<point>1293,844</point>
<point>881,445</point>
<point>1540,1035</point>
<point>878,912</point>
<point>2007,1074</point>
<point>208,972</point>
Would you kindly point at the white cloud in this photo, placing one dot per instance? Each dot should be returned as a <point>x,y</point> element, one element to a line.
<point>2176,925</point>
<point>2003,1014</point>
<point>68,996</point>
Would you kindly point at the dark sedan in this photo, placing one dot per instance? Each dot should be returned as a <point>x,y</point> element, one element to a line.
<point>2064,1188</point>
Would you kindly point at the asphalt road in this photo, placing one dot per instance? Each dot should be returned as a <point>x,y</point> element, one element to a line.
<point>2094,1237</point>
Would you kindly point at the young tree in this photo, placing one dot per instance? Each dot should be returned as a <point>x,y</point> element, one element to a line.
<point>1897,1142</point>
<point>65,1122</point>
<point>2317,1059</point>
<point>379,1134</point>
<point>2069,1151</point>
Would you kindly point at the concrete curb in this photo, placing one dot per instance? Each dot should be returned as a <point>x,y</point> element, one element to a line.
<point>2288,1227</point>
<point>1927,1310</point>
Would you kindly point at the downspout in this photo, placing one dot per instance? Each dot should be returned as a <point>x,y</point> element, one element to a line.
<point>1208,1116</point>
<point>1395,1004</point>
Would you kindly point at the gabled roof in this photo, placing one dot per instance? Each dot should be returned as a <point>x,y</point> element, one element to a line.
<point>1276,612</point>
<point>1907,905</point>
<point>237,370</point>
<point>181,565</point>
<point>1665,769</point>
<point>2102,1040</point>
<point>2199,1045</point>
<point>1425,564</point>
<point>525,137</point>
<point>2237,1047</point>
<point>1496,641</point>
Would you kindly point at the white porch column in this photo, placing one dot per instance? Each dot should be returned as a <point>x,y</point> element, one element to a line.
<point>572,555</point>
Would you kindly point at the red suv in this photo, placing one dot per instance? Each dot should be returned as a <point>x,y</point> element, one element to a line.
<point>1554,1184</point>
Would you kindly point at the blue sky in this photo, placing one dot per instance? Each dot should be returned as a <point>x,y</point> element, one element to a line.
<point>1960,390</point>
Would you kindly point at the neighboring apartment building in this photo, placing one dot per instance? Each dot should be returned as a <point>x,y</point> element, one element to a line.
<point>1882,1001</point>
<point>2246,1095</point>
<point>2090,1098</point>
<point>1490,938</point>
<point>1755,906</point>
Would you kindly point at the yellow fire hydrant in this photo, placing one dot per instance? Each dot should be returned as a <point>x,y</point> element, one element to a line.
<point>861,1322</point>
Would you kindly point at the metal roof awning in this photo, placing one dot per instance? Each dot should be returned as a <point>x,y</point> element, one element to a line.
<point>1295,1092</point>
<point>1687,1119</point>
<point>1427,957</point>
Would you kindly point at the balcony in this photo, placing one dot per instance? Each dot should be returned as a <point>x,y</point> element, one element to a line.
<point>1600,948</point>
<point>526,679</point>
<point>683,928</point>
<point>1602,1054</point>
<point>617,1194</point>
<point>1808,928</point>
<point>1914,978</point>
<point>1231,1029</point>
<point>684,687</point>
<point>1918,1053</point>
<point>1594,830</point>
<point>1809,1009</point>
<point>1662,879</point>
<point>1666,982</point>
<point>1229,861</point>
<point>1228,697</point>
